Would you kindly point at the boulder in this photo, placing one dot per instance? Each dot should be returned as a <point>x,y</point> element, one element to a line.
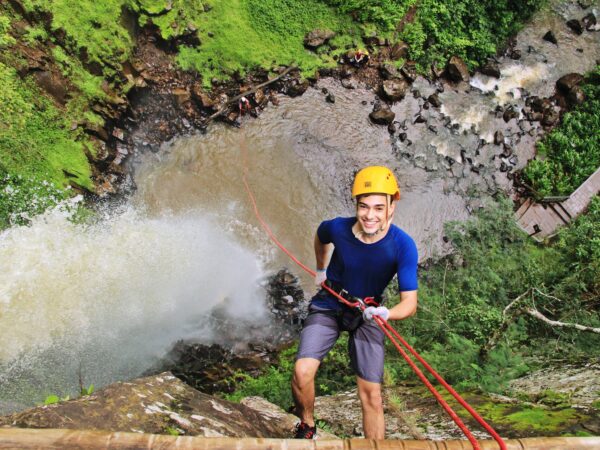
<point>382,115</point>
<point>409,71</point>
<point>457,70</point>
<point>156,404</point>
<point>589,21</point>
<point>575,25</point>
<point>549,36</point>
<point>317,37</point>
<point>297,88</point>
<point>53,83</point>
<point>576,96</point>
<point>398,51</point>
<point>568,82</point>
<point>491,69</point>
<point>434,99</point>
<point>550,118</point>
<point>394,89</point>
<point>498,137</point>
<point>388,71</point>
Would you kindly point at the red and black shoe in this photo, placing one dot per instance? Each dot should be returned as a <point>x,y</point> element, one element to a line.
<point>305,431</point>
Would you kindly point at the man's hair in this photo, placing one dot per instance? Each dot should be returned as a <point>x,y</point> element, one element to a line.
<point>358,197</point>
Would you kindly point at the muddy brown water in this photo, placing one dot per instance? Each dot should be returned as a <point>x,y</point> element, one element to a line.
<point>101,302</point>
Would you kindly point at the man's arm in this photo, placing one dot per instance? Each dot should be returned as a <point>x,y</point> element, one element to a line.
<point>322,253</point>
<point>407,306</point>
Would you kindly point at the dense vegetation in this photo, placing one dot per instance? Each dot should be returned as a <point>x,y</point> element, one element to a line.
<point>462,298</point>
<point>42,138</point>
<point>571,152</point>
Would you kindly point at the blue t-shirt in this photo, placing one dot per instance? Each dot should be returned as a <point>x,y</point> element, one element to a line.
<point>365,270</point>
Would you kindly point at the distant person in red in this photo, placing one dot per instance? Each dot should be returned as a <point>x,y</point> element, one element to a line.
<point>244,106</point>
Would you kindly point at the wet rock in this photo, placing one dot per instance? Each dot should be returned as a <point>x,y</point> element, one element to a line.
<point>436,72</point>
<point>589,21</point>
<point>503,167</point>
<point>317,37</point>
<point>392,128</point>
<point>330,98</point>
<point>153,404</point>
<point>382,115</point>
<point>509,114</point>
<point>576,96</point>
<point>498,137</point>
<point>398,51</point>
<point>260,98</point>
<point>513,160</point>
<point>409,71</point>
<point>457,70</point>
<point>575,25</point>
<point>297,88</point>
<point>420,119</point>
<point>567,82</point>
<point>388,71</point>
<point>349,83</point>
<point>585,4</point>
<point>394,89</point>
<point>515,54</point>
<point>402,137</point>
<point>508,151</point>
<point>550,118</point>
<point>491,69</point>
<point>435,101</point>
<point>182,96</point>
<point>550,37</point>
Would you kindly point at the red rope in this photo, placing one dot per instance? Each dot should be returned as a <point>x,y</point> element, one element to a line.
<point>389,331</point>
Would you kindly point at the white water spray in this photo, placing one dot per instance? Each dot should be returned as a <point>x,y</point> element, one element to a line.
<point>108,299</point>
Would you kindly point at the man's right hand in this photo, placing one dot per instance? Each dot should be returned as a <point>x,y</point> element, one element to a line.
<point>320,277</point>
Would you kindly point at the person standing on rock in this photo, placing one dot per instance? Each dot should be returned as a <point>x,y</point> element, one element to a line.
<point>356,257</point>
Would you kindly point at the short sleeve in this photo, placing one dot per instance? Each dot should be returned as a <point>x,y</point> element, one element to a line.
<point>324,232</point>
<point>408,259</point>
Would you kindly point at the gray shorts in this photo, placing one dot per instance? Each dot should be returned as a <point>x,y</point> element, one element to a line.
<point>365,345</point>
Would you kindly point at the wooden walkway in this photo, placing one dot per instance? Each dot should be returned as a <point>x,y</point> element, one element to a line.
<point>541,220</point>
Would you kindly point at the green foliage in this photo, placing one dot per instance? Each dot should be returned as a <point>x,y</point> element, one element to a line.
<point>5,38</point>
<point>470,29</point>
<point>34,141</point>
<point>571,152</point>
<point>240,35</point>
<point>384,13</point>
<point>87,390</point>
<point>95,30</point>
<point>52,399</point>
<point>181,18</point>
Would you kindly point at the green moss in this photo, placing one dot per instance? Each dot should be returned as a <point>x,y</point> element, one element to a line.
<point>527,418</point>
<point>239,35</point>
<point>181,18</point>
<point>95,29</point>
<point>34,140</point>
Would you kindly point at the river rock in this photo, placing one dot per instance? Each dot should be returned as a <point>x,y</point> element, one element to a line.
<point>394,89</point>
<point>296,88</point>
<point>434,99</point>
<point>317,37</point>
<point>409,71</point>
<point>388,71</point>
<point>576,96</point>
<point>550,37</point>
<point>155,404</point>
<point>382,115</point>
<point>567,82</point>
<point>589,21</point>
<point>575,25</point>
<point>510,113</point>
<point>398,51</point>
<point>551,117</point>
<point>491,69</point>
<point>457,70</point>
<point>498,137</point>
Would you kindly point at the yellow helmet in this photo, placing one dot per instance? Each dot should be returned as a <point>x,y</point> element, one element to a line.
<point>375,180</point>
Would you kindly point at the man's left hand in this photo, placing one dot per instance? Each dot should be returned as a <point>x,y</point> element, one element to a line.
<point>380,311</point>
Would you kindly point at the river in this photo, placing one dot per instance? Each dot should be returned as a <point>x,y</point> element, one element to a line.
<point>101,302</point>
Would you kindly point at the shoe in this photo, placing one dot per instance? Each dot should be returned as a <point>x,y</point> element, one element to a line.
<point>305,431</point>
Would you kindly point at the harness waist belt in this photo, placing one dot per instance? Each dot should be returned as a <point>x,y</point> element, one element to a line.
<point>339,289</point>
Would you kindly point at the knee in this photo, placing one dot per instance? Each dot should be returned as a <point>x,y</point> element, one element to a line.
<point>303,373</point>
<point>371,399</point>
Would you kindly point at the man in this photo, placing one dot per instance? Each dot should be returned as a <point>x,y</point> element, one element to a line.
<point>358,255</point>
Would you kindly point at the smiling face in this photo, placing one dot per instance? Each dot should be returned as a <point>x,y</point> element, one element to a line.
<point>374,212</point>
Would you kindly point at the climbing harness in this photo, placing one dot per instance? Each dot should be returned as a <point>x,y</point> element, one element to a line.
<point>360,304</point>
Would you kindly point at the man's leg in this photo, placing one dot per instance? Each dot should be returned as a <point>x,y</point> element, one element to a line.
<point>303,388</point>
<point>372,408</point>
